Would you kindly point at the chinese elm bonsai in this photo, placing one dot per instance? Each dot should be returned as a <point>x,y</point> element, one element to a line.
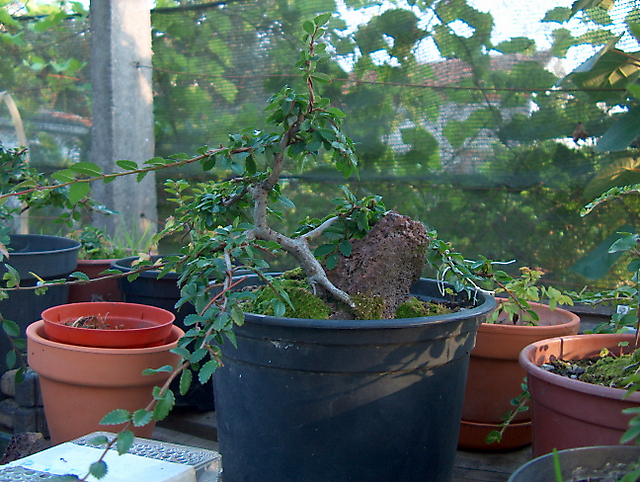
<point>359,250</point>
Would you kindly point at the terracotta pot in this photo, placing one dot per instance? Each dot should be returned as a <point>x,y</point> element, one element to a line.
<point>568,413</point>
<point>80,385</point>
<point>495,377</point>
<point>134,325</point>
<point>103,290</point>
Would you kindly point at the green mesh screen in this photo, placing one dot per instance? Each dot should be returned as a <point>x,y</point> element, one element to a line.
<point>455,106</point>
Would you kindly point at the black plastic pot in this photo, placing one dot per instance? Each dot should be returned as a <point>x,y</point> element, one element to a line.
<point>330,400</point>
<point>164,293</point>
<point>50,257</point>
<point>584,463</point>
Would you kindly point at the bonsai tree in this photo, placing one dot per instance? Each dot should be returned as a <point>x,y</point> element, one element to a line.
<point>360,259</point>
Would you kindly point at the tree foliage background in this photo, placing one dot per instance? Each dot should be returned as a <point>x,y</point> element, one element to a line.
<point>472,137</point>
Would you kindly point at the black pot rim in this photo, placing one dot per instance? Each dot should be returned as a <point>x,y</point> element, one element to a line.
<point>488,304</point>
<point>73,245</point>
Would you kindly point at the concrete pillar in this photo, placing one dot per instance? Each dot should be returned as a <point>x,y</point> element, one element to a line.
<point>122,109</point>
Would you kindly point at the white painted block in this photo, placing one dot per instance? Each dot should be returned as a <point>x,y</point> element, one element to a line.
<point>69,458</point>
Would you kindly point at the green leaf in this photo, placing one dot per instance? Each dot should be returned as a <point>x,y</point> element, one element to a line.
<point>634,29</point>
<point>622,133</point>
<point>20,374</point>
<point>141,176</point>
<point>98,440</point>
<point>164,406</point>
<point>345,248</point>
<point>322,19</point>
<point>586,4</point>
<point>124,442</point>
<point>197,355</point>
<point>279,308</point>
<point>308,26</point>
<point>127,165</point>
<point>331,261</point>
<point>558,14</point>
<point>98,469</point>
<point>87,168</point>
<point>79,275</point>
<point>10,359</point>
<point>606,75</point>
<point>63,176</point>
<point>237,315</point>
<point>193,318</point>
<point>116,417</point>
<point>626,243</point>
<point>162,369</point>
<point>631,434</point>
<point>142,417</point>
<point>324,250</point>
<point>322,78</point>
<point>516,45</point>
<point>185,381</point>
<point>206,371</point>
<point>7,19</point>
<point>11,328</point>
<point>181,351</point>
<point>634,266</point>
<point>78,191</point>
<point>622,171</point>
<point>493,436</point>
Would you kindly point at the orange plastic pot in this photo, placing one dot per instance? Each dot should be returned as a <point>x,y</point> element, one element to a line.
<point>568,413</point>
<point>80,385</point>
<point>134,325</point>
<point>495,378</point>
<point>103,290</point>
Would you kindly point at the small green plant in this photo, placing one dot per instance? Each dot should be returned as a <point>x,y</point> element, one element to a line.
<point>520,404</point>
<point>515,307</point>
<point>517,293</point>
<point>624,299</point>
<point>557,467</point>
<point>96,244</point>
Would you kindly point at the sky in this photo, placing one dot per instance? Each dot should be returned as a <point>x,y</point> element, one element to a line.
<point>512,19</point>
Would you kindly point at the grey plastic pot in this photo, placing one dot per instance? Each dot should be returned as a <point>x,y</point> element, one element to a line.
<point>582,463</point>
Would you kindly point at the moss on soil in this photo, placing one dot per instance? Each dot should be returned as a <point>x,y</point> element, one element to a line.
<point>308,305</point>
<point>414,308</point>
<point>608,369</point>
<point>305,304</point>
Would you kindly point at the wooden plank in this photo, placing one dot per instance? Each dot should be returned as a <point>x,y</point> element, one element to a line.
<point>488,466</point>
<point>198,429</point>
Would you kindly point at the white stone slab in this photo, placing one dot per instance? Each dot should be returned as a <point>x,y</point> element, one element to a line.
<point>69,458</point>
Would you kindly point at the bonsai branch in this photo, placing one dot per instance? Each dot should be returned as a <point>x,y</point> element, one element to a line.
<point>149,408</point>
<point>317,232</point>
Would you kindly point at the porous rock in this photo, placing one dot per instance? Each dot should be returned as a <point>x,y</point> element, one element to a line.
<point>386,262</point>
<point>23,445</point>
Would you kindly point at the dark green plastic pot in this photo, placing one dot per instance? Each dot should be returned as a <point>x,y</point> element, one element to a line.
<point>164,293</point>
<point>580,464</point>
<point>342,400</point>
<point>50,257</point>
